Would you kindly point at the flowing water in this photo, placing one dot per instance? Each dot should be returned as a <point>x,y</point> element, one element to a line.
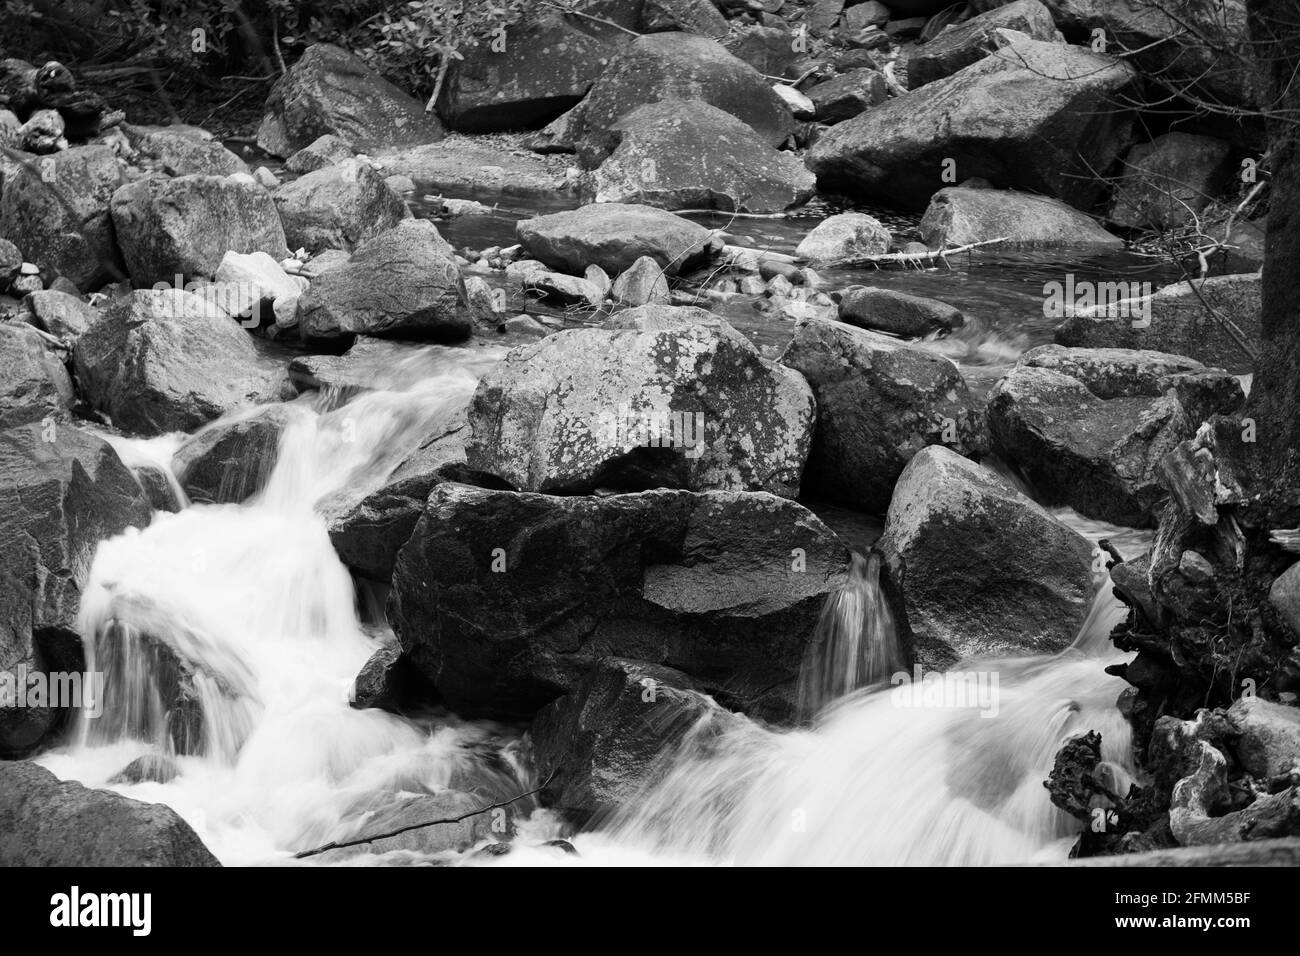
<point>232,634</point>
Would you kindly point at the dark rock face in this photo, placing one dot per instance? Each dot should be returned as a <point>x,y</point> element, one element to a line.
<point>879,402</point>
<point>337,207</point>
<point>601,745</point>
<point>505,599</point>
<point>48,822</point>
<point>33,384</point>
<point>981,568</point>
<point>63,491</point>
<point>331,91</point>
<point>160,361</point>
<point>57,212</point>
<point>669,398</point>
<point>389,681</point>
<point>614,236</point>
<point>681,66</point>
<point>185,226</point>
<point>966,43</point>
<point>1035,116</point>
<point>1167,181</point>
<point>687,154</point>
<point>1090,427</point>
<point>228,462</point>
<point>844,97</point>
<point>403,283</point>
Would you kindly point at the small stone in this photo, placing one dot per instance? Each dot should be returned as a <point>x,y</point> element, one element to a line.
<point>1195,567</point>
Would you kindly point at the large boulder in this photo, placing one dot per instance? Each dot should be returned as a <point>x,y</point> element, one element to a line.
<point>185,226</point>
<point>669,397</point>
<point>337,207</point>
<point>602,745</point>
<point>1044,117</point>
<point>546,66</point>
<point>959,46</point>
<point>506,599</point>
<point>403,283</point>
<point>981,569</point>
<point>1179,318</point>
<point>63,491</point>
<point>165,360</point>
<point>1090,427</point>
<point>960,216</point>
<point>33,381</point>
<point>680,66</point>
<point>687,154</point>
<point>56,211</point>
<point>331,91</point>
<point>879,402</point>
<point>614,236</point>
<point>45,821</point>
<point>230,460</point>
<point>1167,181</point>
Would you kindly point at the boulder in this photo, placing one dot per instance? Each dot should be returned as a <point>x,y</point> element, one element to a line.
<point>181,153</point>
<point>45,821</point>
<point>981,569</point>
<point>34,384</point>
<point>505,599</point>
<point>898,313</point>
<point>57,213</point>
<point>844,236</point>
<point>768,49</point>
<point>1176,319</point>
<point>687,154</point>
<point>337,207</point>
<point>151,768</point>
<point>668,397</point>
<point>607,741</point>
<point>965,43</point>
<point>331,91</point>
<point>185,226</point>
<point>229,461</point>
<point>547,65</point>
<point>63,491</point>
<point>164,360</point>
<point>390,682</point>
<point>1037,116</point>
<point>1167,181</point>
<point>879,402</point>
<point>959,216</point>
<point>403,283</point>
<point>642,284</point>
<point>1089,427</point>
<point>614,236</point>
<point>1268,745</point>
<point>679,66</point>
<point>320,153</point>
<point>844,97</point>
<point>61,314</point>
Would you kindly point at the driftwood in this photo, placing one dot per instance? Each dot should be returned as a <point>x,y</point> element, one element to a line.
<point>910,258</point>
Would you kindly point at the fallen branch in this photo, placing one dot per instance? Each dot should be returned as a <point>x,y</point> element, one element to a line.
<point>909,257</point>
<point>361,841</point>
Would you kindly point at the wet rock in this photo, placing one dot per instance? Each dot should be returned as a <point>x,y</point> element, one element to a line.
<point>699,582</point>
<point>34,384</point>
<point>879,402</point>
<point>390,682</point>
<point>613,236</point>
<point>1090,428</point>
<point>965,43</point>
<point>844,97</point>
<point>151,768</point>
<point>679,66</point>
<point>898,313</point>
<point>229,461</point>
<point>607,741</point>
<point>63,491</point>
<point>182,153</point>
<point>1178,322</point>
<point>48,822</point>
<point>687,154</point>
<point>331,91</point>
<point>847,235</point>
<point>958,216</point>
<point>643,283</point>
<point>981,568</point>
<point>403,283</point>
<point>667,397</point>
<point>338,207</point>
<point>57,213</point>
<point>453,835</point>
<point>160,361</point>
<point>457,165</point>
<point>185,226</point>
<point>61,314</point>
<point>1166,182</point>
<point>320,153</point>
<point>1035,116</point>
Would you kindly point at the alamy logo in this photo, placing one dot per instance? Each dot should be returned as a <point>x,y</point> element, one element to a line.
<point>950,690</point>
<point>131,910</point>
<point>684,430</point>
<point>57,689</point>
<point>1118,300</point>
